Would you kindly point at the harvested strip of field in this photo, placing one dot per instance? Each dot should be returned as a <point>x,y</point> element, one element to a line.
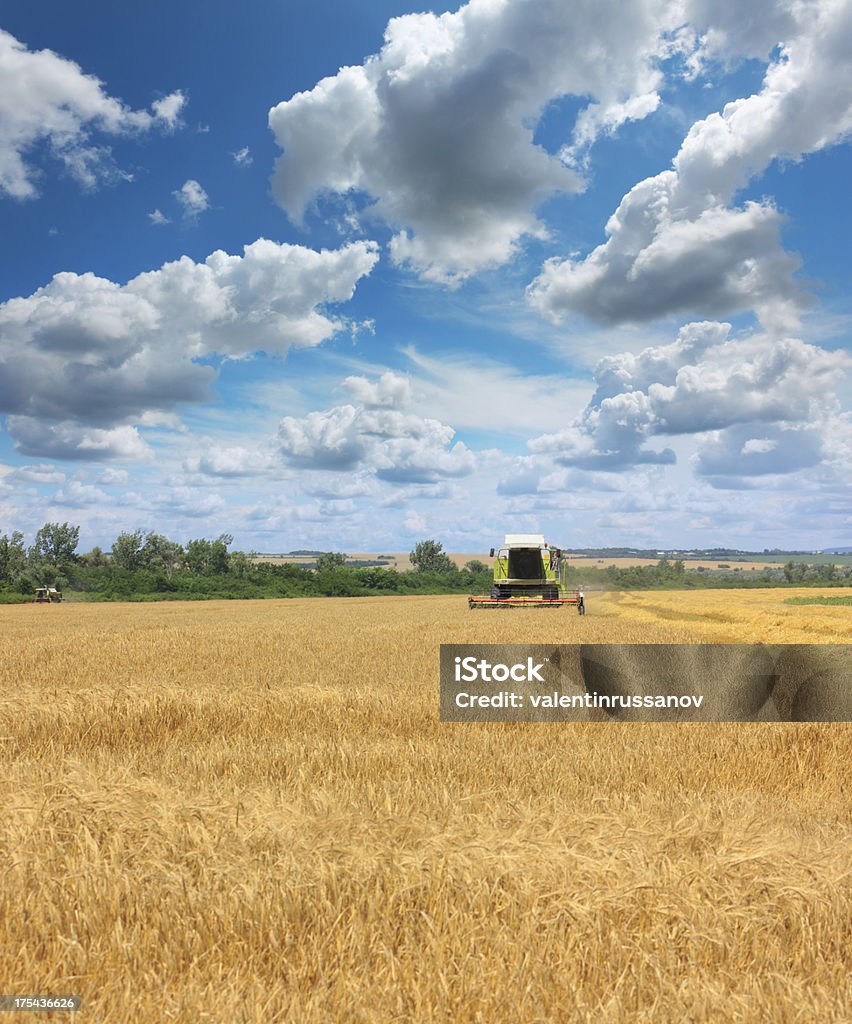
<point>249,811</point>
<point>739,616</point>
<point>822,599</point>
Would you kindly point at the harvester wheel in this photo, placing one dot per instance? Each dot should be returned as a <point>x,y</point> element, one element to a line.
<point>581,607</point>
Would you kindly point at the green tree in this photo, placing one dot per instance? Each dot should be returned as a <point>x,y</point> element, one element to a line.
<point>794,572</point>
<point>239,563</point>
<point>54,548</point>
<point>330,560</point>
<point>161,554</point>
<point>13,557</point>
<point>474,566</point>
<point>209,557</point>
<point>127,551</point>
<point>429,556</point>
<point>95,559</point>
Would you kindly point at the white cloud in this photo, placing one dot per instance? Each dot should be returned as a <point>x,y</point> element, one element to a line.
<point>110,475</point>
<point>45,98</point>
<point>158,217</point>
<point>414,522</point>
<point>390,391</point>
<point>338,485</point>
<point>676,242</point>
<point>192,198</point>
<point>79,495</point>
<point>723,31</point>
<point>438,127</point>
<point>737,452</point>
<point>84,352</point>
<point>767,397</point>
<point>188,502</point>
<point>68,440</point>
<point>242,157</point>
<point>598,119</point>
<point>724,259</point>
<point>231,461</point>
<point>169,108</point>
<point>393,445</point>
<point>36,475</point>
<point>758,444</point>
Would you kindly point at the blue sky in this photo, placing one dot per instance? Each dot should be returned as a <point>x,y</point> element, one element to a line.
<point>344,275</point>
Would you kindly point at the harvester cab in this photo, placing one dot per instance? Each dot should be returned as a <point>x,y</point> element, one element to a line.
<point>48,595</point>
<point>529,573</point>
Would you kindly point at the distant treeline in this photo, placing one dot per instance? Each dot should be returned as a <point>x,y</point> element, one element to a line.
<point>151,567</point>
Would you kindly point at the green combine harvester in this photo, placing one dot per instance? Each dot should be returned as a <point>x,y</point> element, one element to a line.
<point>529,574</point>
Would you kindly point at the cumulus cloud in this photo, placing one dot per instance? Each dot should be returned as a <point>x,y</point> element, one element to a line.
<point>724,259</point>
<point>676,242</point>
<point>42,474</point>
<point>338,485</point>
<point>722,31</point>
<point>598,119</point>
<point>242,157</point>
<point>774,393</point>
<point>158,217</point>
<point>192,198</point>
<point>69,440</point>
<point>76,494</point>
<point>231,461</point>
<point>84,352</point>
<point>47,99</point>
<point>189,502</point>
<point>391,390</point>
<point>376,437</point>
<point>438,128</point>
<point>754,450</point>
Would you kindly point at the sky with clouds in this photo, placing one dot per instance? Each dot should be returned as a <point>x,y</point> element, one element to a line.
<point>345,276</point>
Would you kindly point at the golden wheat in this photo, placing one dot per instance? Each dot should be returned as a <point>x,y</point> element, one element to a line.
<point>249,811</point>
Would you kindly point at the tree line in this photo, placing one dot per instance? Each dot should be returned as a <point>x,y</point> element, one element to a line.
<point>151,566</point>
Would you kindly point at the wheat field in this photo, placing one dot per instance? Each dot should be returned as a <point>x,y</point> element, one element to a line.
<point>249,812</point>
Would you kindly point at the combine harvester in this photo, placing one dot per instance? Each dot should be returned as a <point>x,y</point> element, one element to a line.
<point>529,574</point>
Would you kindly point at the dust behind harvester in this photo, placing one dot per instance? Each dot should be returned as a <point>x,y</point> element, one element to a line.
<point>529,574</point>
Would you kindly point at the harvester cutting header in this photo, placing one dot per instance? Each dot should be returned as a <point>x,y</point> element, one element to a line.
<point>529,574</point>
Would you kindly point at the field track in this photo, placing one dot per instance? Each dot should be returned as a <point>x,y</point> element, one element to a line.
<point>249,812</point>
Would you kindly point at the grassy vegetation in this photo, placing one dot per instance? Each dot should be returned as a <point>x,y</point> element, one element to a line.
<point>249,812</point>
<point>819,599</point>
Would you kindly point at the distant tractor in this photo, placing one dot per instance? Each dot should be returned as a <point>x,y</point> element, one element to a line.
<point>529,574</point>
<point>48,595</point>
